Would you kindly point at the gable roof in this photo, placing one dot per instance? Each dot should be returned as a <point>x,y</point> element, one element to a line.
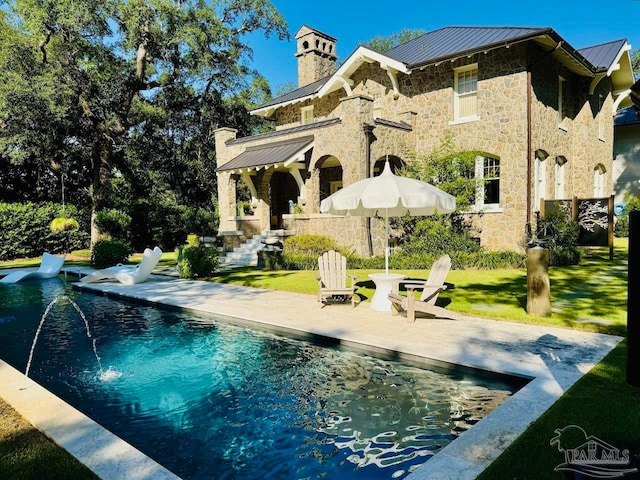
<point>603,56</point>
<point>449,43</point>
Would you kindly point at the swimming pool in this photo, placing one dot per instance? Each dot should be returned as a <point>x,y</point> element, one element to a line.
<point>209,399</point>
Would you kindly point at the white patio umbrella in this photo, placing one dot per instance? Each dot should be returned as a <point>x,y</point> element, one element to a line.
<point>388,195</point>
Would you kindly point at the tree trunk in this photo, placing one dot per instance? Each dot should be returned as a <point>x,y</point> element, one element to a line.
<point>100,179</point>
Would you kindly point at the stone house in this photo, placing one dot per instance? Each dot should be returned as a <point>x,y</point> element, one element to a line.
<point>540,109</point>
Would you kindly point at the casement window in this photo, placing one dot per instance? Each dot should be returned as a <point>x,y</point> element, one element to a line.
<point>559,175</point>
<point>487,183</point>
<point>598,180</point>
<point>465,99</point>
<point>306,114</point>
<point>561,102</point>
<point>539,178</point>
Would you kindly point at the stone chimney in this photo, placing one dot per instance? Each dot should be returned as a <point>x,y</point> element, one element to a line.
<point>316,53</point>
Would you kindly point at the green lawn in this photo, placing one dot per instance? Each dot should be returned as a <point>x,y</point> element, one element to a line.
<point>589,296</point>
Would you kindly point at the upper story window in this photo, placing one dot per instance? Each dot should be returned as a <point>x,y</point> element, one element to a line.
<point>306,115</point>
<point>561,102</point>
<point>488,183</point>
<point>598,180</point>
<point>601,118</point>
<point>560,168</point>
<point>465,100</point>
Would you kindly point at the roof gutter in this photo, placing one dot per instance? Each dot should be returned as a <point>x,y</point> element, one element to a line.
<point>528,229</point>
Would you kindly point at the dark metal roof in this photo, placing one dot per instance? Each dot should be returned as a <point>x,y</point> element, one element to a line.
<point>286,131</point>
<point>271,153</point>
<point>296,94</point>
<point>602,56</point>
<point>626,116</point>
<point>393,124</point>
<point>452,41</point>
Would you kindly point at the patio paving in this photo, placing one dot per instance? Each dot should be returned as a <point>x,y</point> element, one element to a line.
<point>553,358</point>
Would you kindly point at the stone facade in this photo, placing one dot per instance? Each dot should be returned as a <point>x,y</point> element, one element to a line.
<point>420,115</point>
<point>316,53</point>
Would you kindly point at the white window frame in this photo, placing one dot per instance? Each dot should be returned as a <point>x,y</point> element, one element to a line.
<point>306,115</point>
<point>457,118</point>
<point>539,182</point>
<point>561,110</point>
<point>559,176</point>
<point>599,174</point>
<point>481,205</point>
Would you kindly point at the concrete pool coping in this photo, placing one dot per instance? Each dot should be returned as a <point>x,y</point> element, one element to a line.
<point>553,358</point>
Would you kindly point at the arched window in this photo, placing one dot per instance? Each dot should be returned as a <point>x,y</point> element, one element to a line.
<point>598,180</point>
<point>539,178</point>
<point>560,168</point>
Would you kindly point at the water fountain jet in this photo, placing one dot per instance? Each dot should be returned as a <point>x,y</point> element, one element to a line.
<point>107,376</point>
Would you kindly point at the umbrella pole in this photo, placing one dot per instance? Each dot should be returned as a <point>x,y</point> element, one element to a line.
<point>386,247</point>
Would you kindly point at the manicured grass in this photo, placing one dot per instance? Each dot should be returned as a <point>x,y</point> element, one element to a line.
<point>601,403</point>
<point>25,453</point>
<point>590,296</point>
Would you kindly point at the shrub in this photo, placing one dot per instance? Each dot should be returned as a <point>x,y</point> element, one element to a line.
<point>559,234</point>
<point>114,223</point>
<point>106,253</point>
<point>301,252</point>
<point>198,261</point>
<point>25,229</point>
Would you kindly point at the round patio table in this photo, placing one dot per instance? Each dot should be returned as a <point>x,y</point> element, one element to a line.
<point>385,284</point>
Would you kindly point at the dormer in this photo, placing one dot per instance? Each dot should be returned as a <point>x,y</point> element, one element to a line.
<point>316,53</point>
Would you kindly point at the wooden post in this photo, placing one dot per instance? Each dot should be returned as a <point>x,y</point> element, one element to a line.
<point>633,302</point>
<point>538,285</point>
<point>610,222</point>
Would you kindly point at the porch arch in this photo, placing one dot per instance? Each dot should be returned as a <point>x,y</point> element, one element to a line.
<point>396,163</point>
<point>330,176</point>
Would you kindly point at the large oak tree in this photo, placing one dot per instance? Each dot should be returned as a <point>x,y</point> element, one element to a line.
<point>93,88</point>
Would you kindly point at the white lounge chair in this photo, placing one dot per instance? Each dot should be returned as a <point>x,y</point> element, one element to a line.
<point>128,274</point>
<point>49,267</point>
<point>332,281</point>
<point>431,288</point>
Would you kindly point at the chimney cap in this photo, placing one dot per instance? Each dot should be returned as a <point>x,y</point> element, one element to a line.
<point>306,30</point>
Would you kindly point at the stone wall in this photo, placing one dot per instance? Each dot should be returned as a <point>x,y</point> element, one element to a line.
<point>426,101</point>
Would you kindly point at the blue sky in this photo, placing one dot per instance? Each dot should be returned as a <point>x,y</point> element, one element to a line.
<point>580,22</point>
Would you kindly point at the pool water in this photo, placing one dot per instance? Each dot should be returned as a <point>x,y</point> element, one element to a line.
<point>210,399</point>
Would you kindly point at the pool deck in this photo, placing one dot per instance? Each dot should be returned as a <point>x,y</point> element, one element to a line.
<point>553,358</point>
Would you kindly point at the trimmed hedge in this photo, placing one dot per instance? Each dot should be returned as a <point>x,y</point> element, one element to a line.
<point>301,252</point>
<point>25,230</point>
<point>107,253</point>
<point>198,261</point>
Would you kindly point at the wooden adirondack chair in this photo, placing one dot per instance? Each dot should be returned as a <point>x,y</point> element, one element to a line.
<point>431,288</point>
<point>332,280</point>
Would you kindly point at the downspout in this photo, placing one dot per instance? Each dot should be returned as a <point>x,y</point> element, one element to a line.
<point>369,139</point>
<point>529,167</point>
<point>530,135</point>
